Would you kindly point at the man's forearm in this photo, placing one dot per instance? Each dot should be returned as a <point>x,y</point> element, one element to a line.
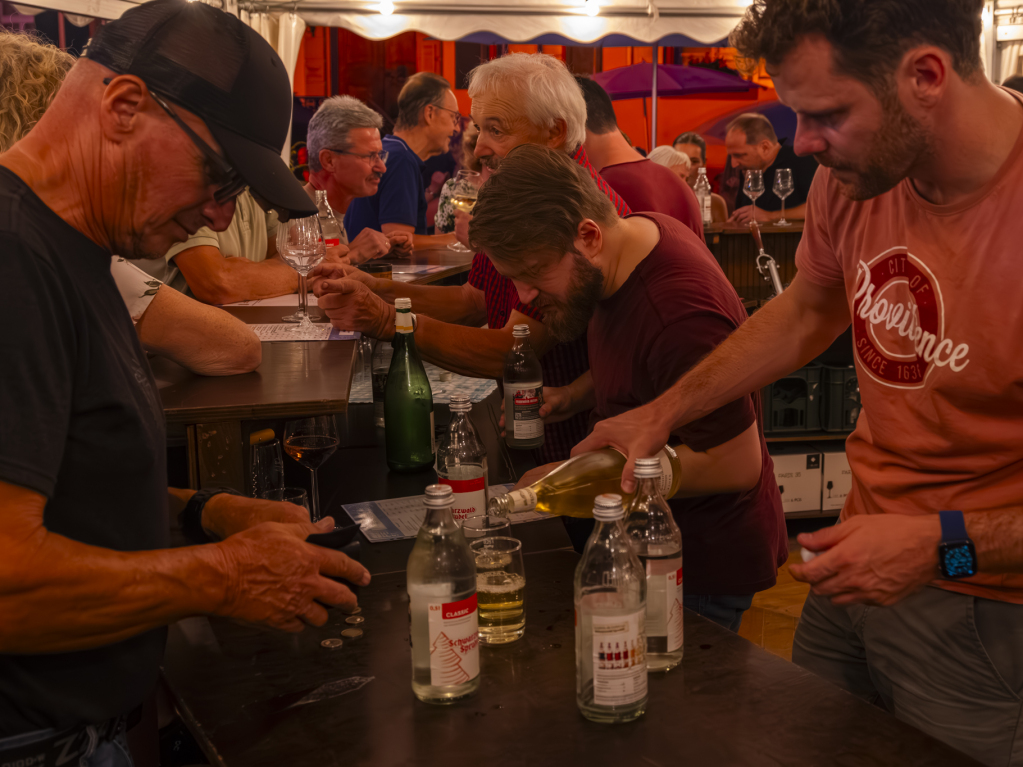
<point>238,279</point>
<point>998,539</point>
<point>474,352</point>
<point>447,303</point>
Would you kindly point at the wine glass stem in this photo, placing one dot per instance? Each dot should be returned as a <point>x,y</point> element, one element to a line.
<point>782,208</point>
<point>314,498</point>
<point>303,309</point>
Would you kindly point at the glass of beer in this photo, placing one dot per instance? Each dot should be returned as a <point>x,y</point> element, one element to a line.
<point>500,589</point>
<point>485,526</point>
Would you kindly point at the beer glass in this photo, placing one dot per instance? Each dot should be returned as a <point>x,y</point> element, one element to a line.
<point>267,467</point>
<point>485,526</point>
<point>500,589</point>
<point>783,187</point>
<point>295,495</point>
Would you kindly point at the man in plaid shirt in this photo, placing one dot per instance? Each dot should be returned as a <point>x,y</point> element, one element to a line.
<point>517,99</point>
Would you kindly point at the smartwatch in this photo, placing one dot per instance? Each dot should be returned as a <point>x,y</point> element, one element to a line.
<point>956,553</point>
<point>190,518</point>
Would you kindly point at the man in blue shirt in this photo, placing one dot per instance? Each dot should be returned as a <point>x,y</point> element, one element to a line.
<point>427,119</point>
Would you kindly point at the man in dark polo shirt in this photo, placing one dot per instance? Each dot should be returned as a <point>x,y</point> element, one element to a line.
<point>653,302</point>
<point>753,145</point>
<point>642,183</point>
<point>137,150</point>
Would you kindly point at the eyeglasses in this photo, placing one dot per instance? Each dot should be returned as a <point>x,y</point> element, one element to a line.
<point>371,157</point>
<point>457,115</point>
<point>229,182</point>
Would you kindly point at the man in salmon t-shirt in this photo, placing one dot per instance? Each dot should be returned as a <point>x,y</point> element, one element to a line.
<point>913,235</point>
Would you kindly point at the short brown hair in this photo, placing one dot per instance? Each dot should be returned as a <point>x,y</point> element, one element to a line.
<point>469,159</point>
<point>421,90</point>
<point>534,203</point>
<point>869,36</point>
<point>31,73</point>
<point>755,127</point>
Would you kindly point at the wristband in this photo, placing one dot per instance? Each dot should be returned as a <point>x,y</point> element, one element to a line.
<point>190,518</point>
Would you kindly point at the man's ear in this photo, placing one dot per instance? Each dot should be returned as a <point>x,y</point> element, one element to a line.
<point>557,133</point>
<point>589,240</point>
<point>327,160</point>
<point>122,101</point>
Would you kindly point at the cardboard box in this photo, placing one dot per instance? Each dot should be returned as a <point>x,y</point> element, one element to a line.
<point>836,480</point>
<point>797,469</point>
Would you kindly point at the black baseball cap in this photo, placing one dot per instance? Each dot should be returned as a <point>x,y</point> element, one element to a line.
<point>215,66</point>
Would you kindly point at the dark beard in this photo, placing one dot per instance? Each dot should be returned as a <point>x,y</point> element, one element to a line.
<point>570,319</point>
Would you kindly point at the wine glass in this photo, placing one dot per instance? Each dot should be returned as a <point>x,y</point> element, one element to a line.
<point>463,198</point>
<point>300,244</point>
<point>754,187</point>
<point>311,441</point>
<point>783,187</point>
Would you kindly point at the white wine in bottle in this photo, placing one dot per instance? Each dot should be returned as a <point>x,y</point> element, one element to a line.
<point>569,489</point>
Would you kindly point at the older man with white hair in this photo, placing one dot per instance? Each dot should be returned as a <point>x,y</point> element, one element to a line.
<point>347,160</point>
<point>517,99</point>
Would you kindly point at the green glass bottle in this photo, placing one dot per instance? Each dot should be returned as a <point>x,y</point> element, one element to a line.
<point>408,400</point>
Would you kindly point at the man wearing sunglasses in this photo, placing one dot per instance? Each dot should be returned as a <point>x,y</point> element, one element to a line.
<point>176,107</point>
<point>427,119</point>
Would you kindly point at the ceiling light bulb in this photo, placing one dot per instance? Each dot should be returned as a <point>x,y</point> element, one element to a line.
<point>592,9</point>
<point>386,8</point>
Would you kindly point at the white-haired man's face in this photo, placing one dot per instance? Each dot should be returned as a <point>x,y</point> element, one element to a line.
<point>503,126</point>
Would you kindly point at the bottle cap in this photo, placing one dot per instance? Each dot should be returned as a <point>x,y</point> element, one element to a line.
<point>648,467</point>
<point>403,303</point>
<point>460,403</point>
<point>439,496</point>
<point>608,507</point>
<point>518,331</point>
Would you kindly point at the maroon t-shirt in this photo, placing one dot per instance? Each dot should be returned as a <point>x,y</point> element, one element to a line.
<point>647,186</point>
<point>672,311</point>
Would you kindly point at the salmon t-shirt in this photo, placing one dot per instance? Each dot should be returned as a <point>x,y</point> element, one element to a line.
<point>936,298</point>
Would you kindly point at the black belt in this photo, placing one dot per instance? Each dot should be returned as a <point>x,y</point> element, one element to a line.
<point>63,749</point>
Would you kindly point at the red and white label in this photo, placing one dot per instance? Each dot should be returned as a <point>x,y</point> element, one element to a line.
<point>664,604</point>
<point>454,642</point>
<point>332,242</point>
<point>619,659</point>
<point>470,496</point>
<point>526,403</point>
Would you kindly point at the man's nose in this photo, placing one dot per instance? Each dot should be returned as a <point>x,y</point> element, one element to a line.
<point>526,293</point>
<point>808,139</point>
<point>219,215</point>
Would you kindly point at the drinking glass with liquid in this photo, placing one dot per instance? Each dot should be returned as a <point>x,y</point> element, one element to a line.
<point>500,589</point>
<point>311,441</point>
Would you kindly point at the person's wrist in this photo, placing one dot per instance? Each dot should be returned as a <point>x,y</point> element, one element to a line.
<point>214,515</point>
<point>385,329</point>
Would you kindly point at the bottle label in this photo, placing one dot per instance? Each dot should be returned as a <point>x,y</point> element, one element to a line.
<point>454,642</point>
<point>331,242</point>
<point>667,475</point>
<point>526,403</point>
<point>403,322</point>
<point>619,659</point>
<point>705,205</point>
<point>523,499</point>
<point>664,604</point>
<point>470,496</point>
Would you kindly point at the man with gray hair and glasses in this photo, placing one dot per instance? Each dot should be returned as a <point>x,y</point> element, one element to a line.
<point>347,161</point>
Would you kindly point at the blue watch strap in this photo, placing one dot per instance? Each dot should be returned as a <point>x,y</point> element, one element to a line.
<point>953,526</point>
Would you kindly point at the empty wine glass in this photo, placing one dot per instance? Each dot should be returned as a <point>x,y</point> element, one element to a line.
<point>300,244</point>
<point>463,198</point>
<point>783,187</point>
<point>311,441</point>
<point>754,187</point>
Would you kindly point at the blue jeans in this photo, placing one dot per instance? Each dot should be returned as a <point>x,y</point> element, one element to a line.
<point>113,753</point>
<point>724,610</point>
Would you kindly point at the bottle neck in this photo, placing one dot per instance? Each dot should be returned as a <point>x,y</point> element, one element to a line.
<point>439,521</point>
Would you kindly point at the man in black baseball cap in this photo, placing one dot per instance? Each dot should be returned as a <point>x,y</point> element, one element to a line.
<point>176,109</point>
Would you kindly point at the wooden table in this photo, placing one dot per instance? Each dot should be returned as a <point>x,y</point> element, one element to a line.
<point>730,703</point>
<point>295,379</point>
<point>733,247</point>
<point>454,264</point>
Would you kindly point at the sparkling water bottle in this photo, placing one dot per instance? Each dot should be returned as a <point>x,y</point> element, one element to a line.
<point>462,462</point>
<point>523,393</point>
<point>703,192</point>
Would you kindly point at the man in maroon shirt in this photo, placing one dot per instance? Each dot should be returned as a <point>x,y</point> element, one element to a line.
<point>653,302</point>
<point>642,183</point>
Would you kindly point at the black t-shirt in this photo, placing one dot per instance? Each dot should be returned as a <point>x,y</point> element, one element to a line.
<point>80,423</point>
<point>803,170</point>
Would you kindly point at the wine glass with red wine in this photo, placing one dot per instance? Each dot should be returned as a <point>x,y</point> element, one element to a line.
<point>311,441</point>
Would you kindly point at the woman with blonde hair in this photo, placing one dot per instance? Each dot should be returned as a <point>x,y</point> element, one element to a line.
<point>30,76</point>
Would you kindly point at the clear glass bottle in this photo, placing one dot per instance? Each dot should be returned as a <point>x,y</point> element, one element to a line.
<point>462,462</point>
<point>703,195</point>
<point>568,490</point>
<point>658,544</point>
<point>443,617</point>
<point>328,221</point>
<point>381,363</point>
<point>408,400</point>
<point>610,610</point>
<point>523,393</point>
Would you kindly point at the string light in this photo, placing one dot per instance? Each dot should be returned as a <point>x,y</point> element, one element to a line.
<point>386,8</point>
<point>592,8</point>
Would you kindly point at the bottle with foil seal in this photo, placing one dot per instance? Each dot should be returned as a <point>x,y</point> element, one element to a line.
<point>443,616</point>
<point>462,462</point>
<point>569,489</point>
<point>408,400</point>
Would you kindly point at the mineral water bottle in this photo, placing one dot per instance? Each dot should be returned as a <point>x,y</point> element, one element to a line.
<point>408,400</point>
<point>462,462</point>
<point>523,393</point>
<point>569,489</point>
<point>610,619</point>
<point>378,371</point>
<point>658,543</point>
<point>702,190</point>
<point>443,619</point>
<point>328,221</point>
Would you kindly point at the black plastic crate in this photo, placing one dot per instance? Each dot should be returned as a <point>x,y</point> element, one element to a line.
<point>840,405</point>
<point>792,403</point>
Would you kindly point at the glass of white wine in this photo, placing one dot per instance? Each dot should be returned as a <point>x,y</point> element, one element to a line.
<point>754,187</point>
<point>463,198</point>
<point>783,187</point>
<point>500,589</point>
<point>300,244</point>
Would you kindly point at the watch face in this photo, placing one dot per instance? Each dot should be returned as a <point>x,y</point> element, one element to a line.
<point>958,560</point>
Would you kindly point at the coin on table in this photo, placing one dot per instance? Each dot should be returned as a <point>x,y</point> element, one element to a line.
<point>352,633</point>
<point>333,643</point>
<point>355,619</point>
<point>356,611</point>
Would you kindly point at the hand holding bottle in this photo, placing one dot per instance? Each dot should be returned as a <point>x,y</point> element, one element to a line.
<point>639,433</point>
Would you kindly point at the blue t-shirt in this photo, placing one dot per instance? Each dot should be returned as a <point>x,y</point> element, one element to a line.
<point>401,198</point>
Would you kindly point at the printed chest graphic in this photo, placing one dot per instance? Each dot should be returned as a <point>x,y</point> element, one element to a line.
<point>899,322</point>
